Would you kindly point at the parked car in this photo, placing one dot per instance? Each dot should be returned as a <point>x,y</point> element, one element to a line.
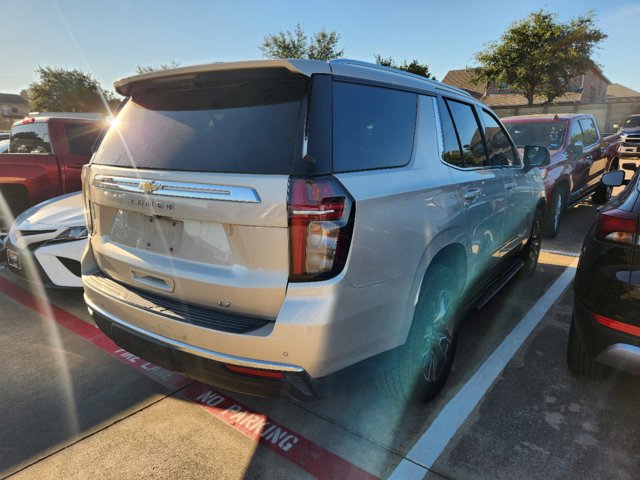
<point>579,157</point>
<point>605,329</point>
<point>45,243</point>
<point>45,158</point>
<point>272,227</point>
<point>630,138</point>
<point>4,146</point>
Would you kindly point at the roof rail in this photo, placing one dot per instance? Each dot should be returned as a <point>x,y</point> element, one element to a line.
<point>435,83</point>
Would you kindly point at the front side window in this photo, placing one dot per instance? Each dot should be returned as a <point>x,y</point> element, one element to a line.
<point>30,138</point>
<point>589,131</point>
<point>373,127</point>
<point>500,149</point>
<point>575,135</point>
<point>469,134</point>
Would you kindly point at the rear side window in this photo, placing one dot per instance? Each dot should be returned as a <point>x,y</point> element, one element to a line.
<point>501,152</point>
<point>373,127</point>
<point>589,131</point>
<point>81,136</point>
<point>233,123</point>
<point>452,153</point>
<point>30,138</point>
<point>469,134</point>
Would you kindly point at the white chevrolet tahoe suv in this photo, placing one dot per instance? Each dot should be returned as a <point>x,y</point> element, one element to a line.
<point>273,227</point>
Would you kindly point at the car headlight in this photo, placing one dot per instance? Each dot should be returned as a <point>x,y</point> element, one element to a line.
<point>73,233</point>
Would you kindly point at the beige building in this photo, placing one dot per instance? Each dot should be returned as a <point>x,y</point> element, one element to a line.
<point>590,87</point>
<point>12,107</point>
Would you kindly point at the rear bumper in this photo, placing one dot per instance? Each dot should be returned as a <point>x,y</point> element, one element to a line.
<point>209,366</point>
<point>623,357</point>
<point>610,347</point>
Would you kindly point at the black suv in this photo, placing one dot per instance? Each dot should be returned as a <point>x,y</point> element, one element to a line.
<point>605,329</point>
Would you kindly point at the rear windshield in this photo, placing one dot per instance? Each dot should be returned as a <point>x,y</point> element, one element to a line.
<point>239,125</point>
<point>30,138</point>
<point>544,134</point>
<point>632,122</point>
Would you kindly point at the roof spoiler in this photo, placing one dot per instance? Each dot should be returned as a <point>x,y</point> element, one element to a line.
<point>127,85</point>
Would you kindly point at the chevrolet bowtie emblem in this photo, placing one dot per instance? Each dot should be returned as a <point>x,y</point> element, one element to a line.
<point>149,186</point>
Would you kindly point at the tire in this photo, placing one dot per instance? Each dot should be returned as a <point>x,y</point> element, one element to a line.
<point>531,251</point>
<point>419,369</point>
<point>556,211</point>
<point>580,362</point>
<point>602,194</point>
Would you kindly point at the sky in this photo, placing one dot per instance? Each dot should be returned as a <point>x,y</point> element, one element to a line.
<point>110,38</point>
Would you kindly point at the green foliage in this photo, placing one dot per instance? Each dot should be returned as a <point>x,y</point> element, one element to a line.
<point>416,67</point>
<point>323,45</point>
<point>60,90</point>
<point>154,68</point>
<point>538,56</point>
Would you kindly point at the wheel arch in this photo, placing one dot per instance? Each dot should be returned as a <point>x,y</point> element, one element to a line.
<point>446,250</point>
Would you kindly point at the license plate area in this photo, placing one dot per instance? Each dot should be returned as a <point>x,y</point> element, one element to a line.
<point>13,259</point>
<point>147,232</point>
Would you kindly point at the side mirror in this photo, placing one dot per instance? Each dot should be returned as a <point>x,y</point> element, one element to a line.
<point>576,148</point>
<point>630,166</point>
<point>536,156</point>
<point>613,179</point>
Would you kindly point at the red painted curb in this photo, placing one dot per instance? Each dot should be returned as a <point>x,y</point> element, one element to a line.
<point>310,457</point>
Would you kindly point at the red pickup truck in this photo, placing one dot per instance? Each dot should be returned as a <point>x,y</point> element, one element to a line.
<point>45,158</point>
<point>579,157</point>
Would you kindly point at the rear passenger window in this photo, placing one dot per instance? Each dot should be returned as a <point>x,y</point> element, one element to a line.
<point>469,133</point>
<point>501,152</point>
<point>452,154</point>
<point>81,136</point>
<point>589,131</point>
<point>372,127</point>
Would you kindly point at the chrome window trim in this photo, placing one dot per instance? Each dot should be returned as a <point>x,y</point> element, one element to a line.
<point>162,188</point>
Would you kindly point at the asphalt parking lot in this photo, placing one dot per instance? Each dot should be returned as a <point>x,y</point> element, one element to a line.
<point>73,405</point>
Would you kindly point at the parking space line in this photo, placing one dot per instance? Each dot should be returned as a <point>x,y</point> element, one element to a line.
<point>435,439</point>
<point>310,457</point>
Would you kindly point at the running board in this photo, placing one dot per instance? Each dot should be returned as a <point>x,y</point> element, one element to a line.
<point>501,280</point>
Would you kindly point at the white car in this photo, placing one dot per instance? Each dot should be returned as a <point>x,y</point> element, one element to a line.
<point>53,235</point>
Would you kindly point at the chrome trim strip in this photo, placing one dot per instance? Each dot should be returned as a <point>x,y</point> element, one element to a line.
<point>161,188</point>
<point>201,352</point>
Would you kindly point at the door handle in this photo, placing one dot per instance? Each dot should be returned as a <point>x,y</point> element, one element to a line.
<point>471,195</point>
<point>510,186</point>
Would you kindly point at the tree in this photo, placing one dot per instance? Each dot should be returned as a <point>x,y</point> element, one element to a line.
<point>154,68</point>
<point>538,56</point>
<point>416,67</point>
<point>323,45</point>
<point>60,90</point>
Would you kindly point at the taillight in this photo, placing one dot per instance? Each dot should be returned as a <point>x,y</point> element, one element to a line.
<point>616,325</point>
<point>321,215</point>
<point>254,372</point>
<point>617,226</point>
<point>85,179</point>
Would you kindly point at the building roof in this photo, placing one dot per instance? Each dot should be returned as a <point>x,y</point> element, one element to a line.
<point>464,79</point>
<point>12,98</point>
<point>514,99</point>
<point>617,90</point>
